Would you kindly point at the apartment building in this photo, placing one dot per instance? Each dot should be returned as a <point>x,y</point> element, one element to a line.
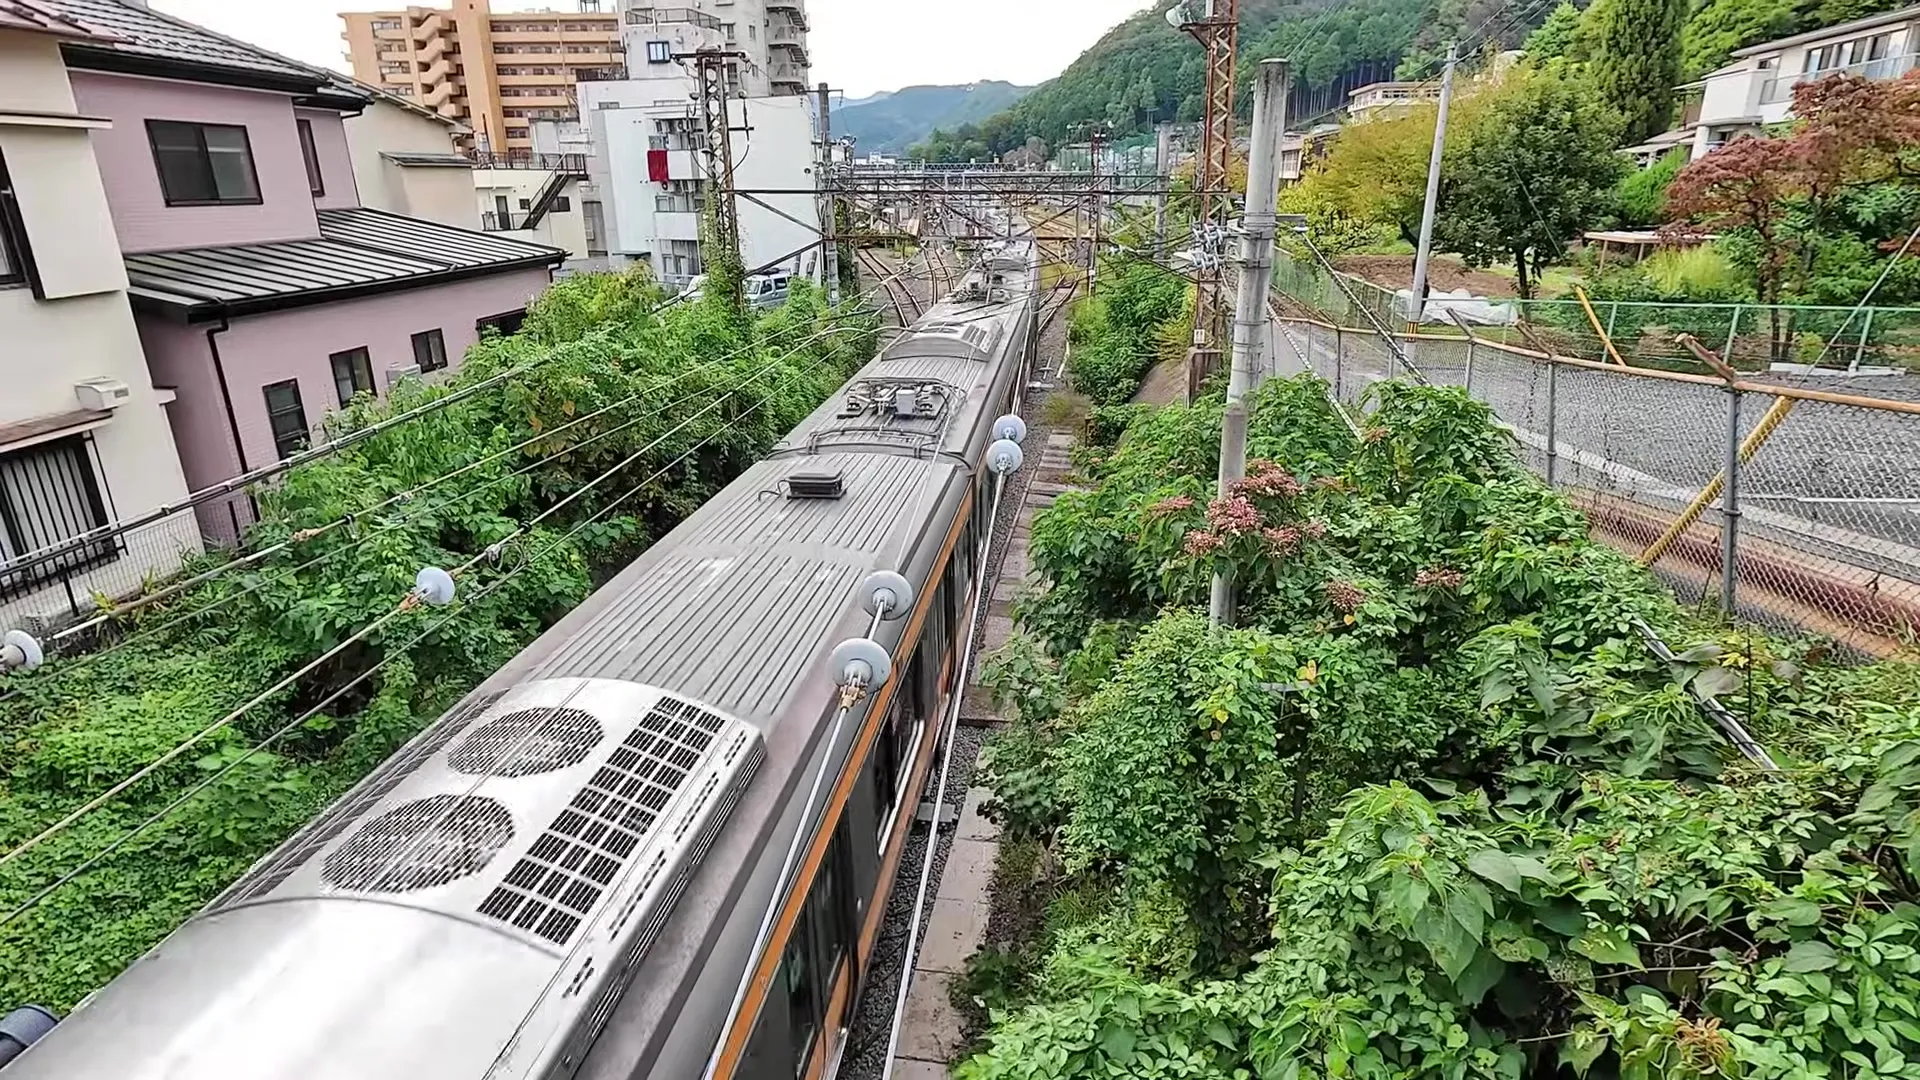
<point>771,35</point>
<point>495,73</point>
<point>84,437</point>
<point>1388,98</point>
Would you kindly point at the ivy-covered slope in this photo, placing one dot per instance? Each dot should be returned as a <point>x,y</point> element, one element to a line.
<point>1431,809</point>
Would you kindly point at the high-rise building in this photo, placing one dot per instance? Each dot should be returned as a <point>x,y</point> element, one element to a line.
<point>495,72</point>
<point>771,35</point>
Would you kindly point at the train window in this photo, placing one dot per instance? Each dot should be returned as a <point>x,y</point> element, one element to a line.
<point>892,753</point>
<point>803,1004</point>
<point>822,940</point>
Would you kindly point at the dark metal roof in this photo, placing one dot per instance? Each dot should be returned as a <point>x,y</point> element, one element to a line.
<point>359,251</point>
<point>410,158</point>
<point>143,32</point>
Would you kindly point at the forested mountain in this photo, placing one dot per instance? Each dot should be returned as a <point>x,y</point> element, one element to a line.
<point>890,123</point>
<point>1144,71</point>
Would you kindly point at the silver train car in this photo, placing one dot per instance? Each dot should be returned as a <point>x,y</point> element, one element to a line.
<point>564,876</point>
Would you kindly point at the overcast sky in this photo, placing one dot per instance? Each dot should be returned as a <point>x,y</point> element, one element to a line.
<point>860,46</point>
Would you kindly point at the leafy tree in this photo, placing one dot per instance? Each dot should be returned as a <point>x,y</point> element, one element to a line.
<point>1375,172</point>
<point>1636,62</point>
<point>1718,27</point>
<point>1554,40</point>
<point>1535,171</point>
<point>1642,194</point>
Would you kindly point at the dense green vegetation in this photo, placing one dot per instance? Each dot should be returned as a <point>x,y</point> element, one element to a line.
<point>1143,71</point>
<point>1431,808</point>
<point>1120,333</point>
<point>666,407</point>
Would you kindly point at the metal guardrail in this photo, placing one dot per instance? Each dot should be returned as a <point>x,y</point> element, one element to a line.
<point>527,159</point>
<point>1780,88</point>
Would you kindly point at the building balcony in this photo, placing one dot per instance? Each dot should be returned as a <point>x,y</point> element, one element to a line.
<point>794,10</point>
<point>786,73</point>
<point>666,16</point>
<point>1777,90</point>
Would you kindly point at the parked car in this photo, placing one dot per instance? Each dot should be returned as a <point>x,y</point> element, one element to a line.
<point>762,290</point>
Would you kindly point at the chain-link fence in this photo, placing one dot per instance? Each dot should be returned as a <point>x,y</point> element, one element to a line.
<point>1751,337</point>
<point>1794,507</point>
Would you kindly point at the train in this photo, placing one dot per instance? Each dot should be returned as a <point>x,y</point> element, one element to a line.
<point>577,871</point>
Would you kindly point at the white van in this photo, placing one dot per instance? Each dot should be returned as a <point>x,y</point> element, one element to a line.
<point>762,290</point>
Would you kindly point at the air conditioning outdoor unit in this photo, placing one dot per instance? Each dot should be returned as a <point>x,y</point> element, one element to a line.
<point>102,393</point>
<point>395,374</point>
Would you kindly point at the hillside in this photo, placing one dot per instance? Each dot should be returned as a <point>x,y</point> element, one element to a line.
<point>889,123</point>
<point>1144,71</point>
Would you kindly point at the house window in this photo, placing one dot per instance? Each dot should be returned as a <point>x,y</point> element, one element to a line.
<point>507,322</point>
<point>287,416</point>
<point>13,234</point>
<point>48,494</point>
<point>562,204</point>
<point>312,155</point>
<point>659,52</point>
<point>430,350</point>
<point>352,373</point>
<point>203,164</point>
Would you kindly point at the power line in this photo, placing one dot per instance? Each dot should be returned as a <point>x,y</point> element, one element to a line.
<point>305,535</point>
<point>491,551</point>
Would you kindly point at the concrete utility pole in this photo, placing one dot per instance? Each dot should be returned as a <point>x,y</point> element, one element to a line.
<point>830,210</point>
<point>1270,86</point>
<point>1425,253</point>
<point>1162,159</point>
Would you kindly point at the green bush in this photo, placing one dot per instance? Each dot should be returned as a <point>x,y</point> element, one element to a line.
<point>590,343</point>
<point>1431,808</point>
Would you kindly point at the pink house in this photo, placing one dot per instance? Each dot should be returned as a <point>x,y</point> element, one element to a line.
<point>265,295</point>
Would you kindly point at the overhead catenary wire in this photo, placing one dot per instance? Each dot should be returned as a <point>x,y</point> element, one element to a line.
<point>307,535</point>
<point>492,550</point>
<point>291,725</point>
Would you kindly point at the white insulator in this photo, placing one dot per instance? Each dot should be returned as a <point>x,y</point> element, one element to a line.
<point>1005,456</point>
<point>885,587</point>
<point>861,661</point>
<point>1011,428</point>
<point>433,586</point>
<point>20,651</point>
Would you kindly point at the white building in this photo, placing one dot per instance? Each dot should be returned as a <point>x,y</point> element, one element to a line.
<point>771,35</point>
<point>647,167</point>
<point>543,198</point>
<point>406,161</point>
<point>1756,89</point>
<point>84,438</point>
<point>1388,98</point>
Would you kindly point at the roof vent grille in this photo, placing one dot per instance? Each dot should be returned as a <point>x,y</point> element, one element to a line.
<point>527,742</point>
<point>357,802</point>
<point>555,886</point>
<point>816,485</point>
<point>420,845</point>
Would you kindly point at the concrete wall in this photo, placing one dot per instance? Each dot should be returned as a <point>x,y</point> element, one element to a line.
<point>435,193</point>
<point>82,328</point>
<point>336,161</point>
<point>259,350</point>
<point>141,216</point>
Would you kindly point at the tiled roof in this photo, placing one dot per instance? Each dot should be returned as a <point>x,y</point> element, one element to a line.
<point>29,15</point>
<point>143,32</point>
<point>359,251</point>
